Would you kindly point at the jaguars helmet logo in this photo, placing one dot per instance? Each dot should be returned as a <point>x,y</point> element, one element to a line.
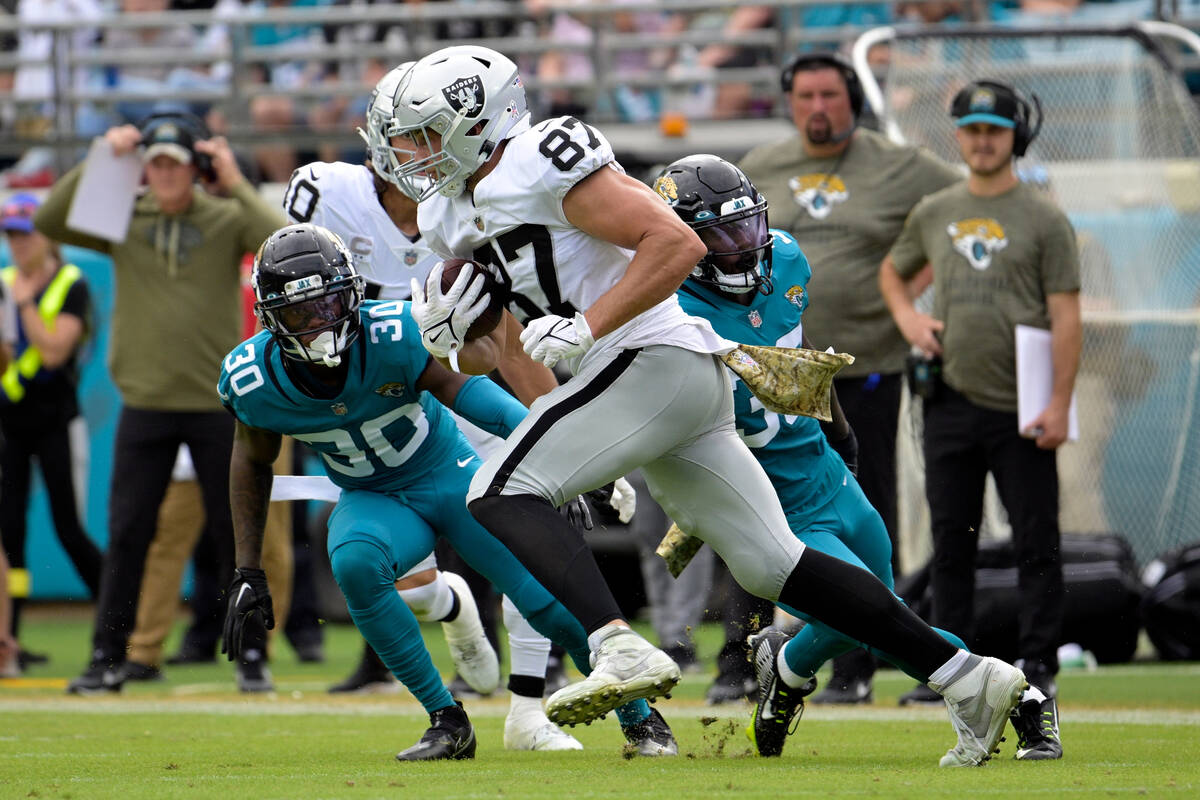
<point>817,193</point>
<point>795,296</point>
<point>394,390</point>
<point>666,188</point>
<point>466,95</point>
<point>977,239</point>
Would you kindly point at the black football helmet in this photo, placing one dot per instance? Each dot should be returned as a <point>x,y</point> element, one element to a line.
<point>306,289</point>
<point>722,206</point>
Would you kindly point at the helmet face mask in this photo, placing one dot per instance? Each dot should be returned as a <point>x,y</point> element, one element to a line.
<point>722,206</point>
<point>384,157</point>
<point>471,98</point>
<point>307,293</point>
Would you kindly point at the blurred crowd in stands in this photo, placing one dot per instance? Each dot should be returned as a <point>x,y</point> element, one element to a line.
<point>324,88</point>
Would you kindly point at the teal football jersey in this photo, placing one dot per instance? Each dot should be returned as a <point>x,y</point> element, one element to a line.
<point>379,433</point>
<point>792,449</point>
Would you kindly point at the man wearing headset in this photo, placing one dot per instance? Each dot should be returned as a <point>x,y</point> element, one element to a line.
<point>1002,254</point>
<point>843,192</point>
<point>176,313</point>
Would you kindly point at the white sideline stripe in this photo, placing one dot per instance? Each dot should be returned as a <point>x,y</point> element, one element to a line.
<point>285,704</point>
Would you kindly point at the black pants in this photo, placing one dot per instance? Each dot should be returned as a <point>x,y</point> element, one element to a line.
<point>963,443</point>
<point>48,440</point>
<point>144,452</point>
<point>872,407</point>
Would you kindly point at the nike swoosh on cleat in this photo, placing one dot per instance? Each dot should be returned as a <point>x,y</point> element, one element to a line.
<point>768,711</point>
<point>462,462</point>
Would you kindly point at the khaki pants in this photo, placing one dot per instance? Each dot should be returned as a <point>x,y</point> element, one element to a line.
<point>180,522</point>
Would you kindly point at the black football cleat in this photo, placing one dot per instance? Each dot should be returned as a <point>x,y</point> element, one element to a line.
<point>652,736</point>
<point>450,736</point>
<point>1035,721</point>
<point>778,703</point>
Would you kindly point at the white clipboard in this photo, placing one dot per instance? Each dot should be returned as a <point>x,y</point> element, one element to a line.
<point>103,201</point>
<point>1035,379</point>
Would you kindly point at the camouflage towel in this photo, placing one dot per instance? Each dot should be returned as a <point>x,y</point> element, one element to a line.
<point>677,549</point>
<point>788,380</point>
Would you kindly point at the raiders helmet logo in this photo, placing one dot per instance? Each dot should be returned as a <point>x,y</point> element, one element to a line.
<point>977,239</point>
<point>466,95</point>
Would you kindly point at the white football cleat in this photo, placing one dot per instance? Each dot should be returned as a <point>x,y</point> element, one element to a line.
<point>474,657</point>
<point>534,731</point>
<point>979,703</point>
<point>625,667</point>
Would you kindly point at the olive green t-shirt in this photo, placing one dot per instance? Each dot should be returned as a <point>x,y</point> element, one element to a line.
<point>994,261</point>
<point>845,214</point>
<point>177,308</point>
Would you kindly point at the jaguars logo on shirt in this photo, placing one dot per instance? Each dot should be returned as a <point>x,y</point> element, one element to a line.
<point>817,193</point>
<point>977,239</point>
<point>795,296</point>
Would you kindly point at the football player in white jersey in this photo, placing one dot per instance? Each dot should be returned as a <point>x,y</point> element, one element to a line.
<point>378,224</point>
<point>592,259</point>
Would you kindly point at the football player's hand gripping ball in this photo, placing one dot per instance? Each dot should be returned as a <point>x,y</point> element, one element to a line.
<point>250,611</point>
<point>552,338</point>
<point>444,317</point>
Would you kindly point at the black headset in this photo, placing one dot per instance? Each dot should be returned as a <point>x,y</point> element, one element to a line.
<point>810,61</point>
<point>194,125</point>
<point>1025,126</point>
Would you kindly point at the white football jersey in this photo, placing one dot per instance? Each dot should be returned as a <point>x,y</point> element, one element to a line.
<point>514,221</point>
<point>341,197</point>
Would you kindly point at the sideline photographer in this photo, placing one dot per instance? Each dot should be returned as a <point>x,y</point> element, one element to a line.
<point>177,312</point>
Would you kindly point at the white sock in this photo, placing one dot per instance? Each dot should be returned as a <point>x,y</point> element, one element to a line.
<point>431,602</point>
<point>942,676</point>
<point>786,674</point>
<point>519,706</point>
<point>528,650</point>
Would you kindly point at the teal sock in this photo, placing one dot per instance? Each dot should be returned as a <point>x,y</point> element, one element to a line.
<point>633,713</point>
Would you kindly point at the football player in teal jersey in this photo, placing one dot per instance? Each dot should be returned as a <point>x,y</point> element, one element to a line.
<point>352,380</point>
<point>751,288</point>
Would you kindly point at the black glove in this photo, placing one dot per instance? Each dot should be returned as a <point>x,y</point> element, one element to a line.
<point>250,614</point>
<point>602,503</point>
<point>577,512</point>
<point>847,448</point>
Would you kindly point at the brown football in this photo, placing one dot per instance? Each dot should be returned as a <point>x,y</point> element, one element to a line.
<point>490,318</point>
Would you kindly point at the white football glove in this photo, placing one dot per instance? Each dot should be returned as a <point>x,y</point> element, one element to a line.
<point>624,500</point>
<point>445,318</point>
<point>552,338</point>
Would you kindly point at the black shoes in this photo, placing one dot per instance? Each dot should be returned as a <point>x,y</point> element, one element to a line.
<point>778,703</point>
<point>135,671</point>
<point>370,677</point>
<point>920,695</point>
<point>731,687</point>
<point>450,735</point>
<point>1035,721</point>
<point>652,736</point>
<point>844,692</point>
<point>253,676</point>
<point>100,677</point>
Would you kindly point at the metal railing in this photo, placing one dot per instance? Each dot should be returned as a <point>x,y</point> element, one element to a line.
<point>235,57</point>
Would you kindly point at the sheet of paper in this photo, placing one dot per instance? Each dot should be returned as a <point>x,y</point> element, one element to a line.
<point>103,201</point>
<point>1035,379</point>
<point>304,487</point>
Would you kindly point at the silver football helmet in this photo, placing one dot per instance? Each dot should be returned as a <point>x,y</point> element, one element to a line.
<point>379,119</point>
<point>451,111</point>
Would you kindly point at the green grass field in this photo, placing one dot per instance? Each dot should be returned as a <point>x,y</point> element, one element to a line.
<point>1127,730</point>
